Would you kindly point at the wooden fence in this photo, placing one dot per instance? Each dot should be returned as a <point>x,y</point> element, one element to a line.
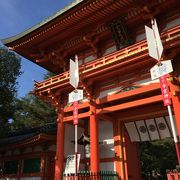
<point>86,175</point>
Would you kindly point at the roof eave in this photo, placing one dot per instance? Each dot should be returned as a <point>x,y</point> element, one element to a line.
<point>9,40</point>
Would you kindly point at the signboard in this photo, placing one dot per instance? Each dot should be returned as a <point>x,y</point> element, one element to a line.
<point>70,164</point>
<point>160,70</point>
<point>75,112</point>
<point>76,95</point>
<point>74,73</point>
<point>154,42</point>
<point>165,90</point>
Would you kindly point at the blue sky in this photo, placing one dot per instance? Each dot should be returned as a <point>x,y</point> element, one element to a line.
<point>19,15</point>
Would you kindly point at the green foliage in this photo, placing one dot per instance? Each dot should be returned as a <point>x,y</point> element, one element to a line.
<point>32,112</point>
<point>9,72</point>
<point>158,156</point>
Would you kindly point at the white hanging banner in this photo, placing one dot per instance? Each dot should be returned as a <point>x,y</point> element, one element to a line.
<point>151,43</point>
<point>143,131</point>
<point>158,39</point>
<point>149,130</point>
<point>163,128</point>
<point>132,131</point>
<point>155,46</point>
<point>74,72</point>
<point>152,129</point>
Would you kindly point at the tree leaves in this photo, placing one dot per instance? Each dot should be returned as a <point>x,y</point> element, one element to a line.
<point>158,156</point>
<point>32,112</point>
<point>9,72</point>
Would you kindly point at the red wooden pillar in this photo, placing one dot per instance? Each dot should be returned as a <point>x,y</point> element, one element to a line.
<point>126,154</point>
<point>133,159</point>
<point>94,143</point>
<point>175,95</point>
<point>59,161</point>
<point>120,150</point>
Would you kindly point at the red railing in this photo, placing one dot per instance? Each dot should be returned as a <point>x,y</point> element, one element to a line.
<point>168,37</point>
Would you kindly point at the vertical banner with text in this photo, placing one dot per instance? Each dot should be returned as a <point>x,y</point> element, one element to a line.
<point>75,112</point>
<point>165,90</point>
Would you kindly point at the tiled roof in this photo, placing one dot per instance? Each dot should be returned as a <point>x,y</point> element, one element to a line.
<point>15,139</point>
<point>18,136</point>
<point>42,23</point>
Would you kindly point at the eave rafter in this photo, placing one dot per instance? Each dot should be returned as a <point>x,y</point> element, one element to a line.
<point>107,105</point>
<point>121,59</point>
<point>89,13</point>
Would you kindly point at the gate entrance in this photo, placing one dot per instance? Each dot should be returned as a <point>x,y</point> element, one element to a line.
<point>156,147</point>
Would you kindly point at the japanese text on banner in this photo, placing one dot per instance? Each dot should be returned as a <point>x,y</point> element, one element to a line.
<point>165,90</point>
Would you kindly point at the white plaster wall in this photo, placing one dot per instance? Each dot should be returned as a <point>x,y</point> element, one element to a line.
<point>140,37</point>
<point>30,178</point>
<point>108,166</point>
<point>69,136</point>
<point>28,150</point>
<point>89,58</point>
<point>171,24</point>
<point>109,50</point>
<point>37,148</point>
<point>52,147</point>
<point>80,62</point>
<point>146,81</point>
<point>108,92</point>
<point>8,153</point>
<point>106,149</point>
<point>16,152</point>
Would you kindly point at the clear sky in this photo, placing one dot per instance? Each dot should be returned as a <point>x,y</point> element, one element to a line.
<point>19,15</point>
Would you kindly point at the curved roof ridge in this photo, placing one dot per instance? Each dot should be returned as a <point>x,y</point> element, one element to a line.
<point>42,23</point>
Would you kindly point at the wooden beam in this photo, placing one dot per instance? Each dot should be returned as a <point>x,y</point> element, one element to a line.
<point>143,112</point>
<point>127,94</point>
<point>120,107</point>
<point>80,116</point>
<point>80,106</point>
<point>132,104</point>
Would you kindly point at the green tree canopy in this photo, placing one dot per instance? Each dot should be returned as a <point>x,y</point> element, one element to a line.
<point>10,64</point>
<point>32,111</point>
<point>158,156</point>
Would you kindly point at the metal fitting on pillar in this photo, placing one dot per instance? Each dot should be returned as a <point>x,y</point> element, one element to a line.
<point>91,113</point>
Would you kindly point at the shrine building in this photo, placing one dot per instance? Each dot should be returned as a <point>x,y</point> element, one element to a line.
<point>122,106</point>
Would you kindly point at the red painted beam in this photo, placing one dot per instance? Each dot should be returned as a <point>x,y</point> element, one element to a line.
<point>80,106</point>
<point>132,104</point>
<point>129,94</point>
<point>120,107</point>
<point>116,59</point>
